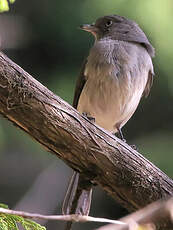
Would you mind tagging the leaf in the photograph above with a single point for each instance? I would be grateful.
(3, 225)
(4, 5)
(10, 222)
(31, 225)
(3, 206)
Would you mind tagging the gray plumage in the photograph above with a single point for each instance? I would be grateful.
(117, 72)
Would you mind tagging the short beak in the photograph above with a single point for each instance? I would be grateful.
(89, 27)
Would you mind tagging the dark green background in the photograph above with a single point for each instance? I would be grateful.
(45, 42)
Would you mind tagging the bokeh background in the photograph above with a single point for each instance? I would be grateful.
(42, 37)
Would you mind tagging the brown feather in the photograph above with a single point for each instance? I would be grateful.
(149, 84)
(79, 85)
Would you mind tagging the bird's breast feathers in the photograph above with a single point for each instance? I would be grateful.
(115, 81)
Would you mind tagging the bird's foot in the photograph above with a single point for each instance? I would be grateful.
(120, 134)
(92, 119)
(134, 147)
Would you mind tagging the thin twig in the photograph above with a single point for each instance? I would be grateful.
(149, 215)
(75, 218)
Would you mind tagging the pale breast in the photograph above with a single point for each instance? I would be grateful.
(115, 82)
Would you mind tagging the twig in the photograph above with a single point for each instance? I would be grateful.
(151, 214)
(75, 218)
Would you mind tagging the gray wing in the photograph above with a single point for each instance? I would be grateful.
(149, 84)
(79, 85)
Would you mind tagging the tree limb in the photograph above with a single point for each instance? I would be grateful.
(151, 214)
(120, 170)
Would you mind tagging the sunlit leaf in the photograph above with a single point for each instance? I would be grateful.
(4, 5)
(3, 206)
(10, 222)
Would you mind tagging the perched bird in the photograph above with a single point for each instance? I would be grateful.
(114, 77)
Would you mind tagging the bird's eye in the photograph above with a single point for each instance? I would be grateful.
(108, 23)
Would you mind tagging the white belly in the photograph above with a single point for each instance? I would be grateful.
(111, 102)
(115, 82)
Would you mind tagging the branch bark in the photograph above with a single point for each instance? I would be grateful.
(120, 170)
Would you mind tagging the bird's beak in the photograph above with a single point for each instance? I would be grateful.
(90, 28)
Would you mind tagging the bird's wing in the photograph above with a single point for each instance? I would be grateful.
(149, 84)
(79, 85)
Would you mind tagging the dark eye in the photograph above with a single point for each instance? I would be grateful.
(108, 23)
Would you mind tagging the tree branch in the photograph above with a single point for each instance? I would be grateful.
(120, 170)
(151, 214)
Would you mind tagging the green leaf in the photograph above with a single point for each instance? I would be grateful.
(3, 206)
(4, 5)
(3, 225)
(10, 222)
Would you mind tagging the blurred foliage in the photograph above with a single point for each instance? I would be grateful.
(4, 6)
(53, 53)
(11, 222)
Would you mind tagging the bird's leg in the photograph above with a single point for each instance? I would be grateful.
(92, 119)
(120, 132)
(121, 135)
(123, 139)
(134, 147)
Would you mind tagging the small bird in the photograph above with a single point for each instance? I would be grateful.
(116, 74)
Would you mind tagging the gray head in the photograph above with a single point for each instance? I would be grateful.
(118, 28)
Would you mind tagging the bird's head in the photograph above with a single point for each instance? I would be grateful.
(118, 28)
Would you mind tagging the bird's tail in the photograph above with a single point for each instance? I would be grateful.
(78, 197)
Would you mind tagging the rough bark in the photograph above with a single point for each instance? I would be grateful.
(121, 171)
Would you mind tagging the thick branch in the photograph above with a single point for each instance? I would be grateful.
(125, 174)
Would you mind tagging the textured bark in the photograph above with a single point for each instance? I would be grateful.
(121, 171)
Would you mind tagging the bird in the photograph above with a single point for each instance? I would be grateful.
(116, 74)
